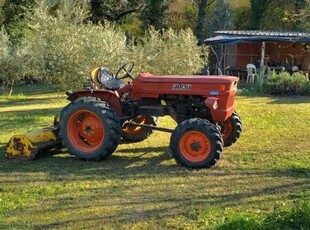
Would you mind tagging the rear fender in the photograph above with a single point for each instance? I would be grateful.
(108, 96)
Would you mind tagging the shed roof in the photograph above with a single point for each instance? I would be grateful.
(246, 36)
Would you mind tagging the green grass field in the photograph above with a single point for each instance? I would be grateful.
(261, 182)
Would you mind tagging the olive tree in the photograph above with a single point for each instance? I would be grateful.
(168, 52)
(63, 47)
(12, 61)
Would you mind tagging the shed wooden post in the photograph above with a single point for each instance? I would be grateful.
(262, 64)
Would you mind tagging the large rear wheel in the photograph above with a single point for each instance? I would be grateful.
(231, 129)
(90, 129)
(196, 143)
(136, 133)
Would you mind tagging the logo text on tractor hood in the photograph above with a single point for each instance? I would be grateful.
(181, 86)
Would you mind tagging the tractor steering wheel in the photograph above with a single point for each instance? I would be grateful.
(127, 68)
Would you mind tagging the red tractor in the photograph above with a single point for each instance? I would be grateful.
(92, 125)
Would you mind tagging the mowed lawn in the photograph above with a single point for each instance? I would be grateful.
(141, 187)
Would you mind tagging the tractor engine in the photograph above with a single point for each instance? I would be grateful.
(186, 107)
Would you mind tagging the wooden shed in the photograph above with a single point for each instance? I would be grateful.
(281, 50)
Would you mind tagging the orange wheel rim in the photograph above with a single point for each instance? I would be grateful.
(195, 146)
(85, 131)
(133, 129)
(226, 129)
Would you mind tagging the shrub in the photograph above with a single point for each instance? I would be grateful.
(284, 84)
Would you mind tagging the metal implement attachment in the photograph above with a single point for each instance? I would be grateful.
(28, 145)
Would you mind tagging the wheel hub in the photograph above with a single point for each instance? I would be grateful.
(195, 146)
(88, 130)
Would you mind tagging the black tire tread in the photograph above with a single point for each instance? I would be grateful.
(237, 129)
(108, 115)
(209, 129)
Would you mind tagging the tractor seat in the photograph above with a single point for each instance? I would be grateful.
(113, 84)
(103, 76)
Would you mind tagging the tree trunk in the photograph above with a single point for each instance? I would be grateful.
(11, 85)
(258, 8)
(201, 20)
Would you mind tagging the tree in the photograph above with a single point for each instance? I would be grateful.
(1, 13)
(287, 15)
(168, 52)
(242, 18)
(113, 10)
(154, 13)
(60, 48)
(222, 16)
(258, 8)
(201, 20)
(12, 61)
(182, 14)
(63, 48)
(14, 12)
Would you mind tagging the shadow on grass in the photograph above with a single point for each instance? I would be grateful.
(290, 100)
(135, 184)
(130, 161)
(29, 90)
(26, 120)
(56, 162)
(28, 102)
(16, 114)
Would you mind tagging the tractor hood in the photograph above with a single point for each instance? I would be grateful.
(202, 79)
(148, 85)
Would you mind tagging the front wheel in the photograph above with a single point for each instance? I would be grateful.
(196, 143)
(90, 129)
(231, 129)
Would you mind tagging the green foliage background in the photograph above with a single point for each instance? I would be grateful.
(13, 14)
(58, 42)
(287, 15)
(61, 48)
